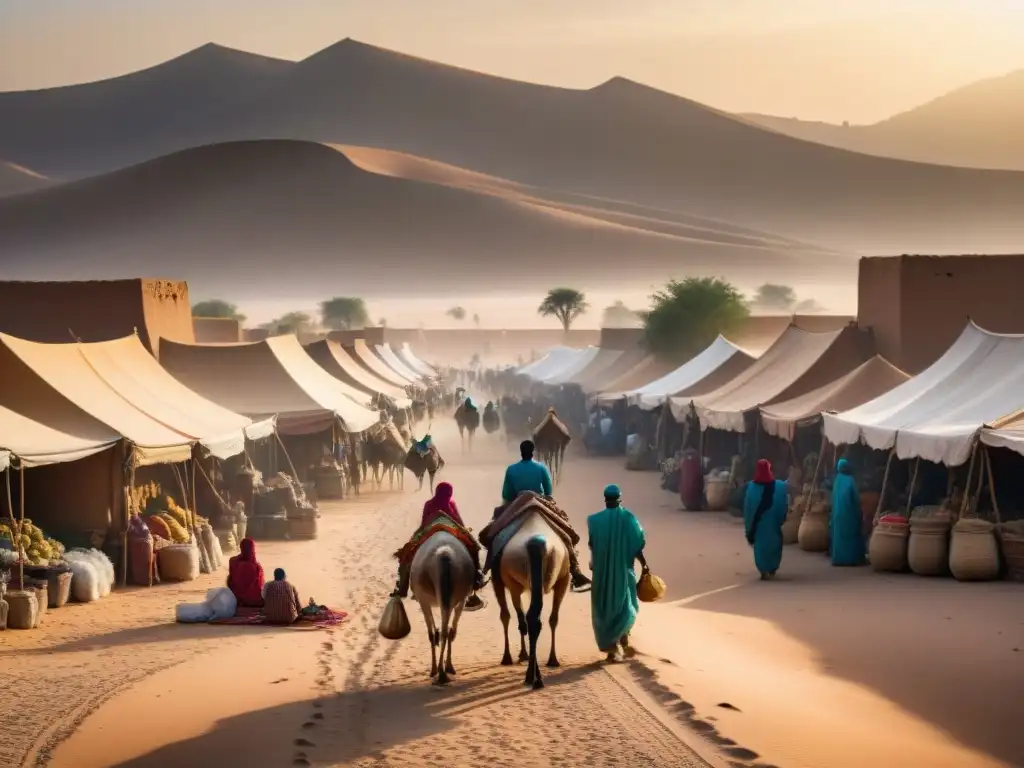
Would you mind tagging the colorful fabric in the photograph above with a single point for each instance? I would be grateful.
(847, 532)
(422, 446)
(616, 538)
(281, 603)
(245, 575)
(612, 491)
(506, 514)
(763, 473)
(408, 550)
(504, 536)
(765, 529)
(526, 475)
(323, 619)
(441, 505)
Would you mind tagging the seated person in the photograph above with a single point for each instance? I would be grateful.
(530, 475)
(281, 603)
(245, 576)
(440, 506)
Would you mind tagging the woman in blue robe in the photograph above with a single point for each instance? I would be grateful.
(764, 512)
(847, 533)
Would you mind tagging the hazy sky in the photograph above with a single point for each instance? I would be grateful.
(856, 60)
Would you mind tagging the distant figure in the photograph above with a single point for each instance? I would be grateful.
(764, 512)
(281, 604)
(847, 531)
(616, 542)
(245, 576)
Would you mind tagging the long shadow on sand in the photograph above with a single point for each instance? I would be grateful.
(340, 730)
(951, 653)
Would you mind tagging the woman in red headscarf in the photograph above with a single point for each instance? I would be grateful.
(245, 576)
(764, 512)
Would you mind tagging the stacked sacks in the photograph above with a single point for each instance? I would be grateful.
(887, 549)
(1011, 538)
(973, 552)
(812, 533)
(928, 549)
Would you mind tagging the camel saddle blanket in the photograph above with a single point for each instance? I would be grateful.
(409, 549)
(551, 420)
(528, 501)
(422, 447)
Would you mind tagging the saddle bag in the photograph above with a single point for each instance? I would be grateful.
(394, 622)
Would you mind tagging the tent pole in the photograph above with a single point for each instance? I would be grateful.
(991, 485)
(291, 466)
(817, 468)
(913, 482)
(885, 483)
(21, 521)
(970, 479)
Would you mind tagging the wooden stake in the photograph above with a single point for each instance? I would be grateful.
(992, 486)
(913, 482)
(817, 468)
(967, 485)
(885, 483)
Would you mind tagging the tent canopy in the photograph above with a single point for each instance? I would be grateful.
(387, 354)
(1007, 433)
(794, 365)
(333, 358)
(414, 362)
(274, 377)
(643, 373)
(623, 364)
(866, 382)
(554, 352)
(36, 444)
(376, 365)
(690, 375)
(603, 360)
(38, 376)
(567, 367)
(133, 373)
(937, 414)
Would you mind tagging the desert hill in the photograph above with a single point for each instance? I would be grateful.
(237, 217)
(618, 141)
(978, 126)
(14, 179)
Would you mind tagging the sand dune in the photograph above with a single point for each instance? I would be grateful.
(978, 126)
(619, 141)
(15, 179)
(241, 215)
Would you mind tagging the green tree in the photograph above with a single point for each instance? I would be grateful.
(293, 322)
(457, 313)
(618, 315)
(217, 308)
(778, 298)
(344, 313)
(687, 315)
(809, 307)
(565, 304)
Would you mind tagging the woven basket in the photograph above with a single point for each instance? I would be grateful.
(791, 528)
(812, 535)
(718, 494)
(887, 549)
(179, 562)
(1013, 553)
(973, 551)
(23, 612)
(928, 551)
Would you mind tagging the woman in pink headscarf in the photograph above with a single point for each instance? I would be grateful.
(442, 504)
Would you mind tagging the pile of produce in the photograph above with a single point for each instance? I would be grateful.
(163, 515)
(38, 548)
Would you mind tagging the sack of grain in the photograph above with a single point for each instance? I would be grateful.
(85, 582)
(812, 534)
(928, 549)
(179, 562)
(791, 528)
(887, 549)
(973, 551)
(717, 491)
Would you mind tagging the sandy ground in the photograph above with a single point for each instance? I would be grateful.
(824, 667)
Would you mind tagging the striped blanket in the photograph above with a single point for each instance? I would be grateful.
(406, 553)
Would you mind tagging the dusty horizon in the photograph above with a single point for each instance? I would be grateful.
(748, 58)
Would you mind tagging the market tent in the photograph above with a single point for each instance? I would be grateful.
(722, 359)
(36, 444)
(553, 353)
(555, 360)
(604, 359)
(643, 373)
(866, 382)
(1006, 433)
(794, 365)
(37, 376)
(387, 354)
(273, 377)
(371, 362)
(570, 368)
(130, 370)
(414, 362)
(623, 364)
(333, 358)
(937, 414)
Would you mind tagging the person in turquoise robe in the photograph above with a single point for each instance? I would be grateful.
(847, 532)
(616, 542)
(764, 511)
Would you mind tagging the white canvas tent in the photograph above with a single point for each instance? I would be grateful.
(555, 361)
(577, 363)
(414, 362)
(387, 354)
(937, 414)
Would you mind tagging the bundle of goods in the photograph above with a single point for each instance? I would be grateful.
(57, 578)
(791, 528)
(973, 551)
(670, 474)
(41, 586)
(812, 532)
(1011, 537)
(141, 555)
(887, 549)
(220, 604)
(212, 546)
(330, 483)
(636, 452)
(928, 549)
(22, 607)
(92, 574)
(179, 562)
(717, 485)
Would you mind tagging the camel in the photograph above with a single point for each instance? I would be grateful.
(551, 437)
(491, 420)
(468, 421)
(420, 464)
(384, 452)
(441, 576)
(536, 560)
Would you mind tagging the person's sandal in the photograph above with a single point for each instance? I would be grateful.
(473, 603)
(581, 583)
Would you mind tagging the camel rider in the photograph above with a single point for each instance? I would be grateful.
(530, 475)
(469, 405)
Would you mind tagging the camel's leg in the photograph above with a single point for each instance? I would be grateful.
(499, 596)
(431, 482)
(420, 478)
(534, 626)
(443, 642)
(456, 615)
(432, 635)
(517, 602)
(561, 587)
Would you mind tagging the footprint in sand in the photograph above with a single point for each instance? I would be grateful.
(303, 743)
(318, 715)
(300, 761)
(309, 724)
(742, 753)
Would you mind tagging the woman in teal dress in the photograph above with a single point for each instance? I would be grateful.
(847, 530)
(764, 512)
